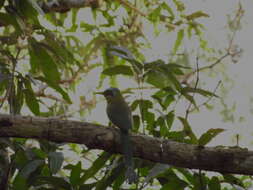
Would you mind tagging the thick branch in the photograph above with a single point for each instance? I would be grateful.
(66, 5)
(221, 159)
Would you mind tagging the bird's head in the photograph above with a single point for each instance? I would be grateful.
(111, 94)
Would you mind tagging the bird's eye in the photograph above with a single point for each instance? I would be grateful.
(109, 93)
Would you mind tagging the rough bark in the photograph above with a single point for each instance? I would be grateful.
(221, 159)
(66, 5)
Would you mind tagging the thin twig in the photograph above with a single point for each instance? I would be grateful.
(195, 87)
(209, 99)
(129, 5)
(186, 78)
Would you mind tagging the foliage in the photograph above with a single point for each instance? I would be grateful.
(42, 63)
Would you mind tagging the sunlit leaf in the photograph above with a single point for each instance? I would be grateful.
(165, 6)
(197, 14)
(180, 36)
(154, 16)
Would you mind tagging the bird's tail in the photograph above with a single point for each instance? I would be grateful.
(128, 153)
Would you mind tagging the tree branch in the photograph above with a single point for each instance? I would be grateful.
(65, 5)
(221, 159)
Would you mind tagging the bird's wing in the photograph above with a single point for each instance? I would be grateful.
(120, 115)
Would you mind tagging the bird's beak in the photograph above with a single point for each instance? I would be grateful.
(101, 93)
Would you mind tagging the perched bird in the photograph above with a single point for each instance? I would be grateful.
(120, 115)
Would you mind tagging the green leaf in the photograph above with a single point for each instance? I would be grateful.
(174, 80)
(187, 174)
(96, 166)
(170, 119)
(188, 130)
(20, 183)
(45, 62)
(75, 174)
(199, 91)
(165, 97)
(163, 128)
(199, 184)
(31, 101)
(118, 181)
(190, 99)
(8, 19)
(1, 3)
(166, 7)
(57, 182)
(229, 178)
(39, 153)
(154, 16)
(59, 49)
(55, 160)
(180, 36)
(172, 181)
(36, 7)
(180, 6)
(176, 136)
(209, 135)
(214, 183)
(118, 69)
(196, 15)
(89, 186)
(56, 87)
(174, 65)
(121, 52)
(156, 170)
(136, 120)
(19, 99)
(110, 177)
(87, 27)
(125, 54)
(156, 78)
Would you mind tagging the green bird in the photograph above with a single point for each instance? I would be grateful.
(120, 115)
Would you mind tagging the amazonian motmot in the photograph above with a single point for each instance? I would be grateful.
(120, 115)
